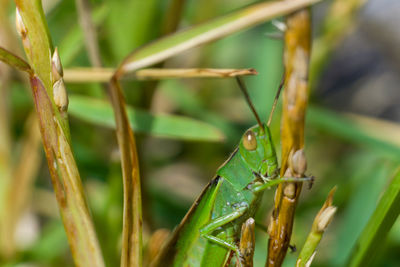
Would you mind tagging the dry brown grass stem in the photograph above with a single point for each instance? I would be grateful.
(83, 75)
(131, 254)
(296, 61)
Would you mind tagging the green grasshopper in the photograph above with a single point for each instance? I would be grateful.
(211, 229)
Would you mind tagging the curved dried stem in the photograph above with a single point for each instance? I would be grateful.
(131, 254)
(296, 60)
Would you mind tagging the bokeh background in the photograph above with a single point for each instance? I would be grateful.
(352, 131)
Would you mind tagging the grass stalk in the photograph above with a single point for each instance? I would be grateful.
(293, 164)
(51, 104)
(84, 75)
(132, 253)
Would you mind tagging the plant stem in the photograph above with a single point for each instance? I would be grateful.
(51, 104)
(82, 75)
(131, 254)
(296, 60)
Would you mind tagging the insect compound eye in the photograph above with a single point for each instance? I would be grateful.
(249, 140)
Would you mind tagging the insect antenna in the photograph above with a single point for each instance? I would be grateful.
(243, 88)
(276, 99)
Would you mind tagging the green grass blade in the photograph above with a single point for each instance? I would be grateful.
(208, 32)
(378, 225)
(14, 61)
(170, 126)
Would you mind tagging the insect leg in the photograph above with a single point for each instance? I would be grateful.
(218, 222)
(273, 182)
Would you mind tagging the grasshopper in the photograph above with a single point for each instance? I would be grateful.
(210, 231)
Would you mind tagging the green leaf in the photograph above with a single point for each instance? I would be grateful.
(207, 32)
(170, 126)
(14, 61)
(378, 226)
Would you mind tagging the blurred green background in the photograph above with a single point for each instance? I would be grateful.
(359, 75)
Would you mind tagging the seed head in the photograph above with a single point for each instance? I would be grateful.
(299, 162)
(60, 95)
(56, 67)
(325, 218)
